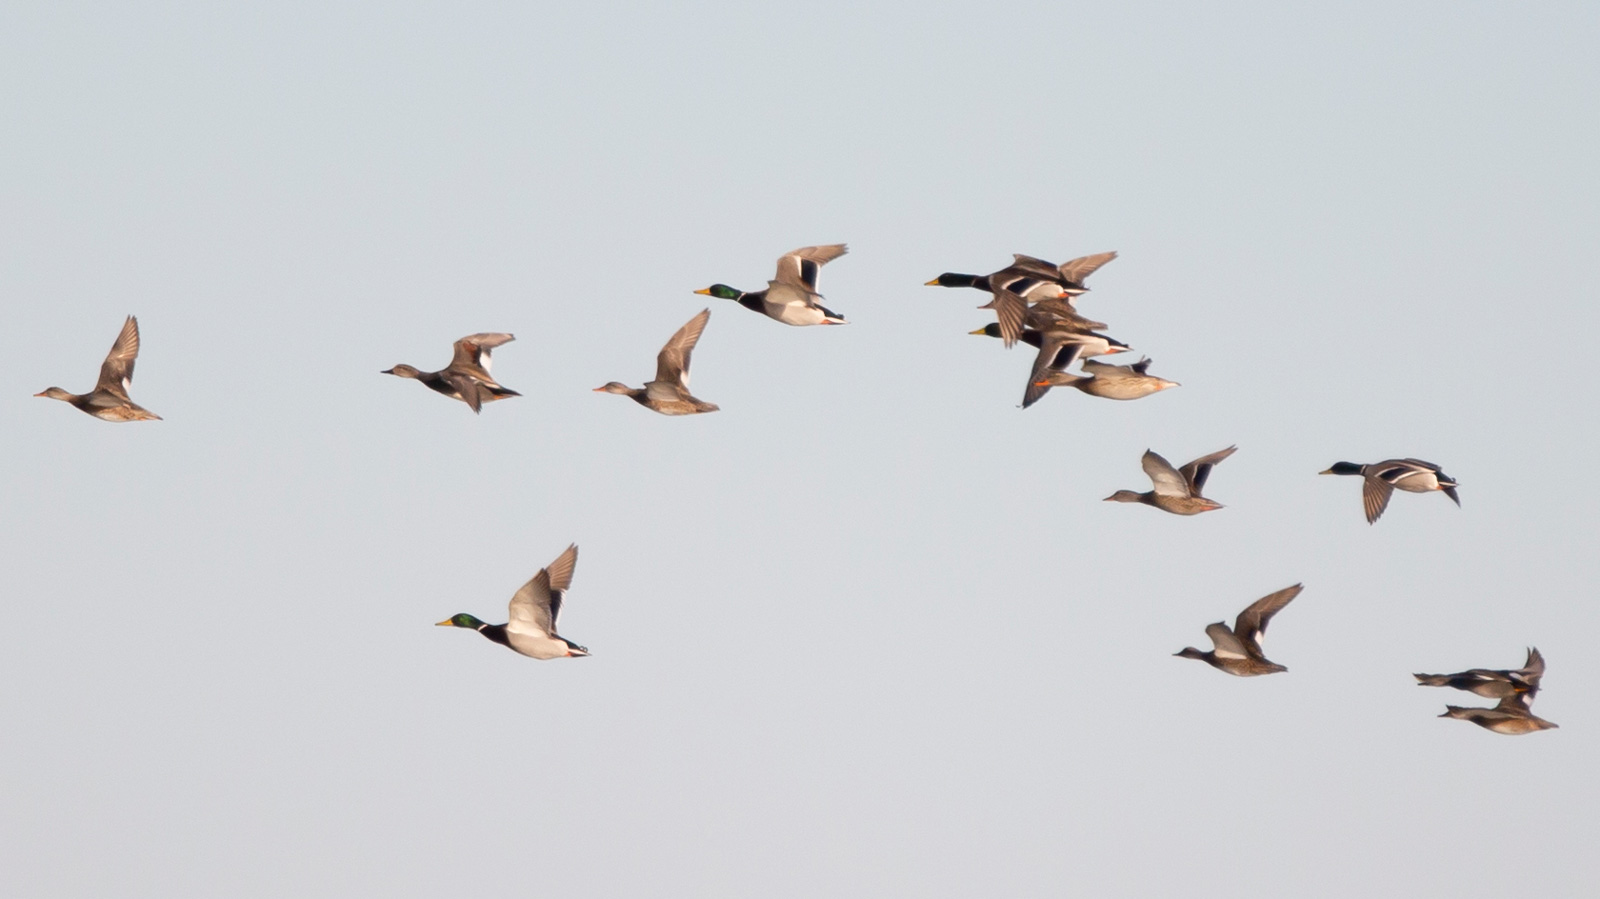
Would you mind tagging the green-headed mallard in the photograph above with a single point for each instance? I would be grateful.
(1380, 479)
(109, 400)
(1112, 382)
(1490, 683)
(791, 297)
(1025, 280)
(1238, 651)
(669, 392)
(466, 378)
(1176, 490)
(532, 628)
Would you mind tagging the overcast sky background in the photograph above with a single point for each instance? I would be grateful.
(869, 630)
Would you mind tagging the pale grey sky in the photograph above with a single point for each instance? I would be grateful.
(869, 630)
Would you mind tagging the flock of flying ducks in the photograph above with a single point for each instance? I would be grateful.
(1034, 303)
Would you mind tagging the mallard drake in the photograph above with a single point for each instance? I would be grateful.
(466, 378)
(1493, 684)
(109, 400)
(532, 629)
(1113, 382)
(1511, 716)
(669, 392)
(1028, 279)
(1238, 651)
(791, 297)
(1176, 490)
(1058, 350)
(1381, 478)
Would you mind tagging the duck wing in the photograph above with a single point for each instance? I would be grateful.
(1225, 643)
(1251, 625)
(1074, 271)
(1010, 309)
(1167, 480)
(116, 373)
(1057, 352)
(473, 351)
(534, 608)
(1375, 494)
(798, 268)
(672, 363)
(1196, 472)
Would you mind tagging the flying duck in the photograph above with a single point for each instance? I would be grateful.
(532, 629)
(791, 297)
(467, 377)
(1113, 382)
(1492, 684)
(109, 401)
(669, 392)
(1238, 651)
(1381, 478)
(1176, 490)
(1027, 279)
(1511, 716)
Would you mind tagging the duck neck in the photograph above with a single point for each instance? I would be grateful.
(495, 632)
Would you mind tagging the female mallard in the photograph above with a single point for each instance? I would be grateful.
(1381, 478)
(791, 297)
(466, 378)
(1025, 280)
(1113, 382)
(109, 401)
(532, 629)
(669, 392)
(1238, 651)
(1511, 716)
(1176, 490)
(1493, 684)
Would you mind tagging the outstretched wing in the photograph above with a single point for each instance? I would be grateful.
(1167, 480)
(116, 373)
(799, 267)
(1251, 624)
(1196, 472)
(672, 363)
(1075, 270)
(1375, 495)
(534, 608)
(474, 349)
(1057, 352)
(1010, 309)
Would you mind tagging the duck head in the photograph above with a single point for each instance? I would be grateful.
(1125, 496)
(992, 329)
(461, 620)
(721, 292)
(401, 371)
(1189, 652)
(953, 279)
(614, 387)
(1343, 468)
(55, 393)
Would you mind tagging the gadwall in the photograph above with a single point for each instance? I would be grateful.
(669, 392)
(467, 377)
(109, 400)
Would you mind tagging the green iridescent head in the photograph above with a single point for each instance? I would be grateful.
(721, 292)
(461, 620)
